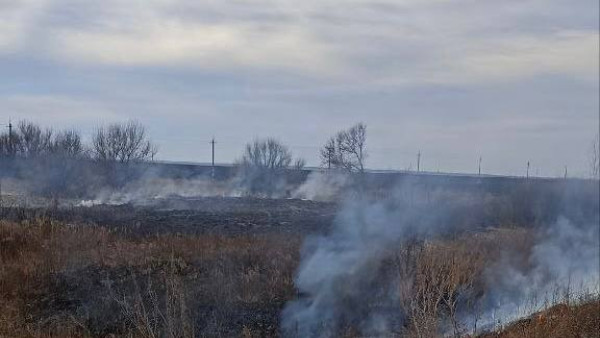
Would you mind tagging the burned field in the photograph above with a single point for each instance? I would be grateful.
(413, 263)
(177, 266)
(60, 280)
(194, 216)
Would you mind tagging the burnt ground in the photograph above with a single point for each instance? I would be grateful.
(189, 216)
(64, 270)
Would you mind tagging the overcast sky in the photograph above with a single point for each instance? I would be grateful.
(510, 80)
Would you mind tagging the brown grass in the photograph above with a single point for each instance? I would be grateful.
(61, 280)
(148, 287)
(559, 321)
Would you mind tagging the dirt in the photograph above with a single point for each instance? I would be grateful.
(196, 216)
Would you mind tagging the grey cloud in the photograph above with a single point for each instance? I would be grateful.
(512, 81)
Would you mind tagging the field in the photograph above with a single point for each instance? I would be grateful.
(245, 267)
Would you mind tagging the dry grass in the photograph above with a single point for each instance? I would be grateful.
(559, 321)
(59, 280)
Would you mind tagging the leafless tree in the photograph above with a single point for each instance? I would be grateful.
(31, 141)
(299, 164)
(328, 153)
(595, 158)
(268, 154)
(122, 143)
(263, 164)
(346, 149)
(68, 143)
(6, 148)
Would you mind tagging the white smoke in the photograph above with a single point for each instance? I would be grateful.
(564, 266)
(318, 186)
(148, 189)
(337, 277)
(322, 186)
(339, 282)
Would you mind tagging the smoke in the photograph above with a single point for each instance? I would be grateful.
(159, 184)
(339, 281)
(322, 186)
(347, 279)
(147, 189)
(563, 266)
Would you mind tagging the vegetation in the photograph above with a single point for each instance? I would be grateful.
(126, 142)
(59, 280)
(346, 150)
(263, 165)
(122, 143)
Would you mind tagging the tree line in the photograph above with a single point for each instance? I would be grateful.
(346, 151)
(129, 142)
(117, 142)
(62, 162)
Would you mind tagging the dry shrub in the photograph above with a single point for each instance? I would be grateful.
(438, 280)
(62, 280)
(559, 321)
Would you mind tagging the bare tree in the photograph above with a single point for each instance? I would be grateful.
(347, 149)
(31, 141)
(595, 158)
(299, 164)
(268, 154)
(263, 164)
(328, 153)
(6, 148)
(68, 143)
(122, 143)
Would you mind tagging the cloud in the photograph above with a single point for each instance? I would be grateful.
(16, 18)
(449, 77)
(571, 53)
(197, 45)
(57, 111)
(399, 42)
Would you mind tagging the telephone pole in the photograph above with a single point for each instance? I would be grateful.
(10, 136)
(479, 169)
(212, 143)
(527, 169)
(419, 161)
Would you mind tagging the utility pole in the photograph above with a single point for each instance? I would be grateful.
(419, 161)
(527, 169)
(10, 137)
(330, 150)
(9, 154)
(212, 143)
(479, 169)
(566, 172)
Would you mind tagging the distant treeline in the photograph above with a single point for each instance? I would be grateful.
(59, 164)
(122, 143)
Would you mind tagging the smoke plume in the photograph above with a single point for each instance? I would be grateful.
(351, 278)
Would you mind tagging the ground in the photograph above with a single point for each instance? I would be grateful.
(219, 267)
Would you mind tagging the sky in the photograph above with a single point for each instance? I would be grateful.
(509, 81)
